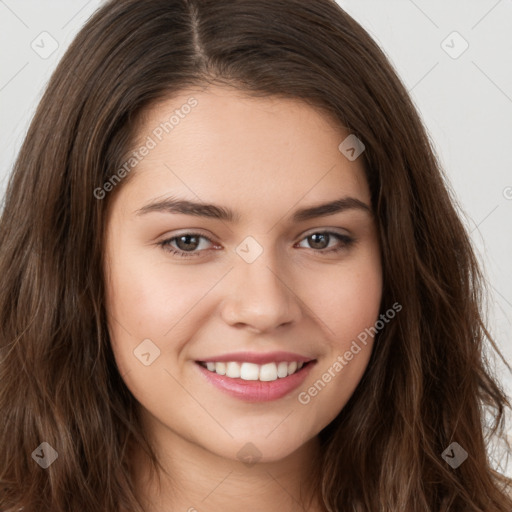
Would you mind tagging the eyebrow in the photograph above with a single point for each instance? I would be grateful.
(212, 211)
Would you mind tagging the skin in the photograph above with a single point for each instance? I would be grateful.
(263, 158)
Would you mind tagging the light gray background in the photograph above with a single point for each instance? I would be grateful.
(465, 101)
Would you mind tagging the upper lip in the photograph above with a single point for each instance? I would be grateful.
(258, 358)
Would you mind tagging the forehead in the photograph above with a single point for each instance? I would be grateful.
(222, 146)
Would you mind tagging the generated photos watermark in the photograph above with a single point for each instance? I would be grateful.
(157, 135)
(304, 397)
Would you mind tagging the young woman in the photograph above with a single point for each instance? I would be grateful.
(233, 278)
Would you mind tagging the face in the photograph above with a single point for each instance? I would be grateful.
(260, 286)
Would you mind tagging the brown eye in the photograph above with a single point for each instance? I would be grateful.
(185, 244)
(320, 240)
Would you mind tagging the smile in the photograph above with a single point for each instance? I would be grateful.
(251, 371)
(253, 382)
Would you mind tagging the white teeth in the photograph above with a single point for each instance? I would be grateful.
(268, 372)
(220, 368)
(249, 371)
(233, 370)
(282, 370)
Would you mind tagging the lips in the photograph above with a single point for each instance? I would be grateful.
(256, 377)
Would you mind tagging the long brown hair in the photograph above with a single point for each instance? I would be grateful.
(427, 384)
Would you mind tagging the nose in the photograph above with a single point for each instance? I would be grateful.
(259, 296)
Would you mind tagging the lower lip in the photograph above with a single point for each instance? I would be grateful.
(255, 390)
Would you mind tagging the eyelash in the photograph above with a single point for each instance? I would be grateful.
(345, 240)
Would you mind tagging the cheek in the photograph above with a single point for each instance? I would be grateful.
(334, 383)
(354, 305)
(347, 297)
(350, 309)
(150, 297)
(148, 304)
